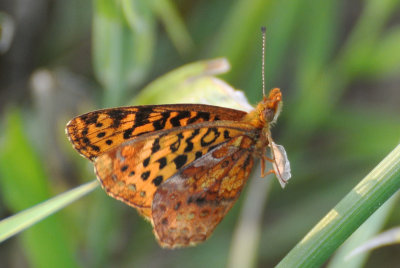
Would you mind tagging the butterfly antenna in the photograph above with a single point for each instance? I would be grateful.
(263, 31)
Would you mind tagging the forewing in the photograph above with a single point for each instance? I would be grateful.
(133, 171)
(187, 207)
(94, 133)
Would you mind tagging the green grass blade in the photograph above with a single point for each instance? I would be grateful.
(386, 59)
(20, 221)
(377, 187)
(369, 228)
(174, 25)
(247, 235)
(386, 238)
(315, 42)
(24, 183)
(251, 14)
(123, 41)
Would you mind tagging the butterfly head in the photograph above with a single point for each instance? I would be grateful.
(270, 107)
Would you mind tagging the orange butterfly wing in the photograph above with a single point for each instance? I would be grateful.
(132, 171)
(96, 132)
(182, 166)
(188, 206)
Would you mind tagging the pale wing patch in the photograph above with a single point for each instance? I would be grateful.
(281, 164)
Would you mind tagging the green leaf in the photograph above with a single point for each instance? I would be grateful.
(174, 25)
(23, 184)
(377, 187)
(389, 237)
(194, 83)
(386, 59)
(369, 228)
(25, 219)
(123, 41)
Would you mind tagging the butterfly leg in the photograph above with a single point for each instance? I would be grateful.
(274, 170)
(263, 173)
(268, 172)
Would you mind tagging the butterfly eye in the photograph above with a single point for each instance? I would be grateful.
(269, 114)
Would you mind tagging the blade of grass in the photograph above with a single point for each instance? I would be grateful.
(316, 41)
(245, 241)
(23, 183)
(250, 14)
(24, 219)
(365, 36)
(386, 60)
(377, 187)
(279, 18)
(386, 238)
(369, 228)
(321, 95)
(123, 41)
(174, 25)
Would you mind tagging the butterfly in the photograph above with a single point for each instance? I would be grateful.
(182, 166)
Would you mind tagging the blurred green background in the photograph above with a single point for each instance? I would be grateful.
(337, 63)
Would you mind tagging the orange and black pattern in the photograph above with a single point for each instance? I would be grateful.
(181, 166)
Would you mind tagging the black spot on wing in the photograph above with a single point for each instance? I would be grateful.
(200, 201)
(95, 148)
(145, 175)
(175, 146)
(209, 137)
(158, 180)
(90, 118)
(177, 205)
(156, 146)
(189, 143)
(101, 134)
(117, 115)
(180, 161)
(225, 164)
(175, 121)
(226, 134)
(142, 116)
(163, 162)
(199, 117)
(160, 123)
(128, 133)
(198, 154)
(146, 162)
